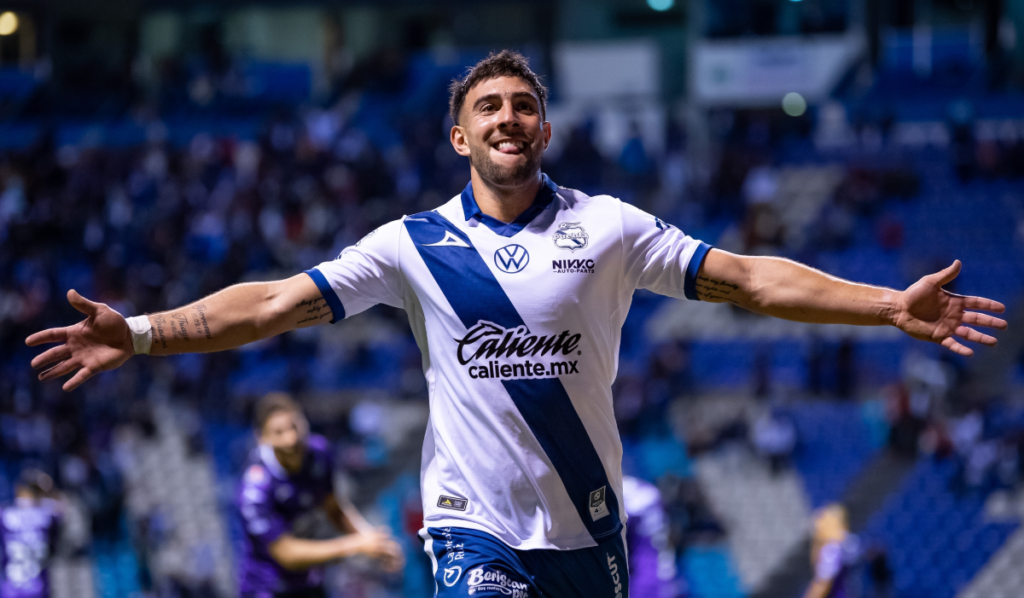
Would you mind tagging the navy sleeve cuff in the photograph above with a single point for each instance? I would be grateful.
(690, 282)
(337, 309)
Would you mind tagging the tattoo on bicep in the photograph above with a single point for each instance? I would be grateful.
(179, 327)
(310, 302)
(160, 321)
(199, 320)
(314, 318)
(314, 310)
(709, 289)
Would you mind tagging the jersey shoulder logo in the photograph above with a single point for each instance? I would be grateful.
(511, 258)
(452, 502)
(256, 474)
(571, 236)
(449, 240)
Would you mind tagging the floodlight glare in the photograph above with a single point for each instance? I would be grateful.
(794, 104)
(8, 23)
(661, 5)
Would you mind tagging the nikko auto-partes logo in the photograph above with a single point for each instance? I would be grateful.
(511, 258)
(571, 236)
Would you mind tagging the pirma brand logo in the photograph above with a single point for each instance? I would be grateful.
(571, 236)
(511, 258)
(452, 502)
(452, 575)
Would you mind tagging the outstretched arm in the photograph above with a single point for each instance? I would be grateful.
(785, 289)
(235, 316)
(345, 516)
(296, 554)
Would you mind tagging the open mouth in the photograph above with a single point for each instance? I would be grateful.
(510, 146)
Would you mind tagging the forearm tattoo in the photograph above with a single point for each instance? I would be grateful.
(160, 322)
(709, 289)
(199, 321)
(179, 327)
(315, 310)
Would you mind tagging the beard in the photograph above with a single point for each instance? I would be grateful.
(505, 176)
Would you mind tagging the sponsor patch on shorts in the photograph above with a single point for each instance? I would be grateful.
(452, 502)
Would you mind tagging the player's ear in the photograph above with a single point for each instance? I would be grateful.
(547, 133)
(459, 142)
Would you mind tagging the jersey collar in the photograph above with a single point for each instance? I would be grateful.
(546, 194)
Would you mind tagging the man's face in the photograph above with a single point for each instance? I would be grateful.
(501, 131)
(286, 431)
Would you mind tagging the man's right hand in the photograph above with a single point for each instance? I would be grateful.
(98, 343)
(379, 544)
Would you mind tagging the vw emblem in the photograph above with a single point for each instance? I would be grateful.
(511, 258)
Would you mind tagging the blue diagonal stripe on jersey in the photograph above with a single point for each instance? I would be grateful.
(474, 294)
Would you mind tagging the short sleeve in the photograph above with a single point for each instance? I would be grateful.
(658, 256)
(830, 562)
(261, 521)
(364, 275)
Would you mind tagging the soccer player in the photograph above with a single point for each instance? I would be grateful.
(651, 567)
(290, 474)
(516, 291)
(28, 537)
(833, 553)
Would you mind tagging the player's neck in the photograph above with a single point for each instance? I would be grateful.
(504, 203)
(291, 462)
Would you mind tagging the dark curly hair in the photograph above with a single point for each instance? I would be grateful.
(507, 63)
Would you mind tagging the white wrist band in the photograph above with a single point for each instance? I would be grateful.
(142, 334)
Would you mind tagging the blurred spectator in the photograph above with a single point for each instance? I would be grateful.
(774, 438)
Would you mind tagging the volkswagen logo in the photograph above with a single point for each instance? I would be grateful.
(511, 258)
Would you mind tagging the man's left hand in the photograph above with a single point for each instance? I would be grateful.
(928, 312)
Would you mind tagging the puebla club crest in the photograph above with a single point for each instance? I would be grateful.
(571, 236)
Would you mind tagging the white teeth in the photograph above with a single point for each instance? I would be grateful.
(505, 144)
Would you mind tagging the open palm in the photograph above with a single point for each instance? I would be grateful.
(98, 343)
(930, 313)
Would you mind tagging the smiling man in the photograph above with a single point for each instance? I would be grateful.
(516, 292)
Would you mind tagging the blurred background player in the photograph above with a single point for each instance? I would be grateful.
(651, 570)
(289, 476)
(833, 554)
(28, 537)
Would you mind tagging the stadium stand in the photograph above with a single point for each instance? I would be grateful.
(254, 185)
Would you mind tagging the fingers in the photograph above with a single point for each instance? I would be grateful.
(82, 304)
(53, 335)
(61, 369)
(984, 304)
(393, 559)
(986, 320)
(956, 347)
(974, 336)
(55, 354)
(947, 275)
(77, 380)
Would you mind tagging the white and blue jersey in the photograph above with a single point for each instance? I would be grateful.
(519, 326)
